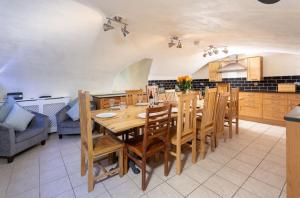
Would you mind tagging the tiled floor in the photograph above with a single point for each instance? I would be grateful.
(252, 164)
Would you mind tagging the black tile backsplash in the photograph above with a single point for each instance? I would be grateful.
(268, 84)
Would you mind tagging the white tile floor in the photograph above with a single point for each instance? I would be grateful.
(252, 164)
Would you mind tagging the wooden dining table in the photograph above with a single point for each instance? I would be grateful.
(124, 120)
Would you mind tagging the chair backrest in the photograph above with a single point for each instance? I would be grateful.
(152, 89)
(220, 112)
(209, 108)
(132, 96)
(186, 118)
(157, 125)
(223, 87)
(234, 101)
(171, 95)
(85, 121)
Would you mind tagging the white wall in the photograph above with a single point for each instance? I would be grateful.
(135, 76)
(274, 64)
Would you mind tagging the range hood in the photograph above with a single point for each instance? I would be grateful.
(232, 66)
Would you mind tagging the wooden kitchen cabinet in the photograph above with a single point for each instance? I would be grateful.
(213, 72)
(251, 105)
(267, 107)
(274, 106)
(254, 68)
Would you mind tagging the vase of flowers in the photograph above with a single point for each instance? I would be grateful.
(184, 83)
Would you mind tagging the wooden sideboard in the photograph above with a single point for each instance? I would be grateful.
(267, 107)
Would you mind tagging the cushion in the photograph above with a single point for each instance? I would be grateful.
(69, 123)
(73, 102)
(28, 134)
(73, 112)
(6, 108)
(18, 118)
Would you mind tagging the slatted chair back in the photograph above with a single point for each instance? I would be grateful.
(132, 96)
(208, 112)
(157, 125)
(85, 121)
(220, 115)
(186, 118)
(171, 95)
(234, 102)
(223, 87)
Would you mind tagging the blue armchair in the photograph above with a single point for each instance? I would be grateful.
(13, 142)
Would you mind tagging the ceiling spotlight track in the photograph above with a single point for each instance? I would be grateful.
(175, 41)
(118, 20)
(211, 50)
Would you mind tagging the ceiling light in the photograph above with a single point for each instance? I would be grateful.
(216, 51)
(171, 44)
(107, 26)
(179, 45)
(204, 55)
(268, 1)
(124, 31)
(209, 53)
(225, 50)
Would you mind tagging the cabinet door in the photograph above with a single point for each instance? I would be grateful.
(255, 71)
(213, 73)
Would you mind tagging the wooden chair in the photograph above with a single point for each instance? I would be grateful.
(232, 112)
(154, 140)
(185, 130)
(94, 148)
(171, 95)
(132, 96)
(223, 87)
(222, 102)
(205, 123)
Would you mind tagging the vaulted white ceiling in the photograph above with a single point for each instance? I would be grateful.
(54, 42)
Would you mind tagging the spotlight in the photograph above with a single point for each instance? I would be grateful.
(204, 55)
(268, 1)
(124, 31)
(171, 44)
(216, 51)
(225, 50)
(179, 45)
(209, 53)
(107, 26)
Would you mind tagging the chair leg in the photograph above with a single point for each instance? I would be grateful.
(121, 162)
(60, 136)
(202, 148)
(166, 161)
(178, 159)
(43, 142)
(90, 174)
(83, 165)
(212, 142)
(10, 159)
(125, 161)
(230, 127)
(194, 149)
(144, 174)
(237, 125)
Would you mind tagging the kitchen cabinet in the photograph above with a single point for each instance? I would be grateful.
(254, 68)
(251, 105)
(267, 107)
(213, 72)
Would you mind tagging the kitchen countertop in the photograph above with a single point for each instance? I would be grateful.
(293, 115)
(258, 91)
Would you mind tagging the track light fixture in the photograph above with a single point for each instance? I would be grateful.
(119, 20)
(210, 50)
(173, 42)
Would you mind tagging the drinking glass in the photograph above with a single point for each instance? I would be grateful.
(140, 99)
(111, 102)
(122, 108)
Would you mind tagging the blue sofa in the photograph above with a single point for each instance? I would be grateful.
(13, 142)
